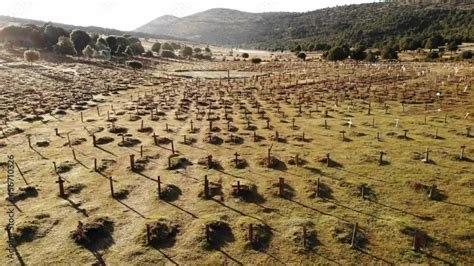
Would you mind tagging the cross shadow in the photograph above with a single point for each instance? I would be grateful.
(229, 256)
(316, 210)
(130, 208)
(272, 256)
(458, 204)
(79, 162)
(145, 176)
(352, 209)
(98, 256)
(20, 258)
(373, 256)
(176, 206)
(425, 218)
(167, 257)
(41, 155)
(242, 213)
(104, 150)
(76, 206)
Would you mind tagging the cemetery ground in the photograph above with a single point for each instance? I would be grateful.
(302, 162)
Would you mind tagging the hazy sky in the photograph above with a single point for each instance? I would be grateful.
(130, 14)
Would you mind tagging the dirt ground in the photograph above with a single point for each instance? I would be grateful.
(283, 122)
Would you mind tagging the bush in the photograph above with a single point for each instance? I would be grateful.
(80, 39)
(134, 64)
(137, 48)
(128, 51)
(65, 46)
(52, 34)
(337, 53)
(102, 54)
(167, 46)
(245, 55)
(156, 47)
(389, 53)
(358, 53)
(122, 44)
(25, 36)
(112, 43)
(167, 54)
(466, 55)
(102, 43)
(207, 49)
(432, 55)
(256, 60)
(187, 51)
(175, 46)
(371, 57)
(88, 51)
(302, 56)
(31, 55)
(197, 50)
(148, 53)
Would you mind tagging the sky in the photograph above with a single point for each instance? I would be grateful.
(130, 14)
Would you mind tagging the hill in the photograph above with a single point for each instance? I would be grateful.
(4, 20)
(367, 24)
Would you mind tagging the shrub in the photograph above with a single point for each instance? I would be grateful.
(337, 53)
(102, 43)
(175, 46)
(134, 64)
(133, 39)
(207, 49)
(102, 54)
(187, 51)
(65, 46)
(432, 55)
(80, 39)
(389, 53)
(167, 46)
(156, 47)
(31, 55)
(52, 34)
(256, 60)
(371, 57)
(26, 36)
(122, 44)
(148, 53)
(466, 55)
(129, 51)
(112, 43)
(197, 50)
(88, 51)
(358, 53)
(302, 56)
(137, 48)
(245, 55)
(167, 54)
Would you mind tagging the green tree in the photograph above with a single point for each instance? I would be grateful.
(452, 46)
(389, 53)
(302, 56)
(156, 47)
(167, 46)
(358, 53)
(187, 51)
(337, 53)
(80, 39)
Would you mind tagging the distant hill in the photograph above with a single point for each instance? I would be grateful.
(367, 24)
(4, 20)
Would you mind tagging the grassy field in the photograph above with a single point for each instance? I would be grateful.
(298, 99)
